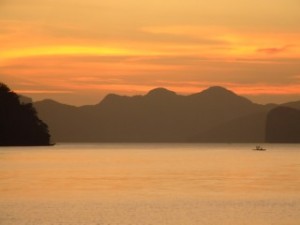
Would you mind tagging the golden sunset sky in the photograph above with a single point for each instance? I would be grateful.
(77, 51)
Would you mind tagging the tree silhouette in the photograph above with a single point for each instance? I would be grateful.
(19, 123)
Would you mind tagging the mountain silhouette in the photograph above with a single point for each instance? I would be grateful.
(19, 124)
(161, 93)
(24, 99)
(294, 105)
(213, 115)
(283, 125)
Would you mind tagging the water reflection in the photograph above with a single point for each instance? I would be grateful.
(171, 178)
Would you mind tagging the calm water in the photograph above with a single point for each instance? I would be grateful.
(150, 184)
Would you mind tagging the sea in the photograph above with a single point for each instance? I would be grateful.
(150, 184)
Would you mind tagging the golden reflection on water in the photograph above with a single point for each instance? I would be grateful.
(157, 174)
(158, 171)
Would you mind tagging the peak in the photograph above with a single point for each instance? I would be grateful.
(49, 101)
(161, 92)
(110, 98)
(217, 93)
(217, 89)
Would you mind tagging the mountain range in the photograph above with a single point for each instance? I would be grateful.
(213, 115)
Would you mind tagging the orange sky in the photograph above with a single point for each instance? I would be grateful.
(77, 51)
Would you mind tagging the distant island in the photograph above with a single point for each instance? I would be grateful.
(215, 115)
(19, 123)
(283, 125)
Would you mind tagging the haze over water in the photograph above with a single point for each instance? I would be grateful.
(151, 184)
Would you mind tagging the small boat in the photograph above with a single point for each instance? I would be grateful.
(259, 148)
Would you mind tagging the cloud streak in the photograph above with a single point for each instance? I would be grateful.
(46, 91)
(274, 50)
(89, 48)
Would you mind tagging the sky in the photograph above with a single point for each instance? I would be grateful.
(78, 51)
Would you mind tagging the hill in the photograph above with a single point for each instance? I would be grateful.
(19, 123)
(213, 115)
(283, 125)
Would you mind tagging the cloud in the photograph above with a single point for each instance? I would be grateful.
(267, 89)
(22, 91)
(274, 50)
(189, 35)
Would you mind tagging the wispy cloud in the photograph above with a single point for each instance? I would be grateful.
(46, 91)
(274, 50)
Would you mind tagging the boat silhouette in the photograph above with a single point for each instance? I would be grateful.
(259, 148)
